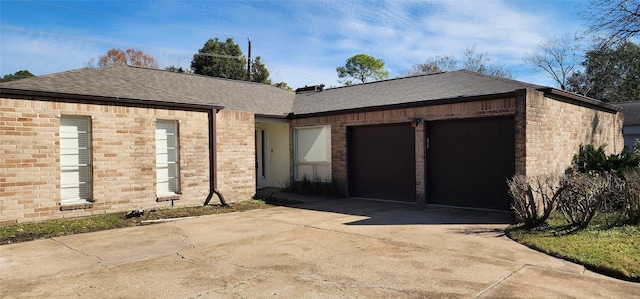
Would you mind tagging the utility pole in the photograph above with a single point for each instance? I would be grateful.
(249, 61)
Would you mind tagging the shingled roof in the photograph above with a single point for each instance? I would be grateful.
(160, 86)
(631, 112)
(154, 85)
(415, 89)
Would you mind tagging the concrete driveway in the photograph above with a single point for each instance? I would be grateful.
(345, 248)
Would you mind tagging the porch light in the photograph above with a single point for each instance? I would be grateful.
(415, 122)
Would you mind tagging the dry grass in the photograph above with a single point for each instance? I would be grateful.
(23, 232)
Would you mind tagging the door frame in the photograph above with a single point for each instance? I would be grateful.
(262, 158)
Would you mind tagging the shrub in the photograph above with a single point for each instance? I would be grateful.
(535, 197)
(588, 159)
(595, 183)
(623, 162)
(591, 159)
(584, 196)
(631, 202)
(600, 183)
(333, 188)
(614, 201)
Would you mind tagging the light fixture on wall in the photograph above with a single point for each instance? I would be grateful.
(415, 122)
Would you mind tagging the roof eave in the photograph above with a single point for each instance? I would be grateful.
(586, 100)
(106, 99)
(547, 90)
(460, 99)
(283, 116)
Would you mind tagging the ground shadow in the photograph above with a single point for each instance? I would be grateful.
(396, 213)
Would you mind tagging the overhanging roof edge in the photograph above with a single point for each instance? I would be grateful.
(107, 99)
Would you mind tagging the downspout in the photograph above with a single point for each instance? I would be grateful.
(615, 122)
(615, 131)
(213, 176)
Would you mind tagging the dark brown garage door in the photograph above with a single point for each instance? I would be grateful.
(382, 162)
(469, 161)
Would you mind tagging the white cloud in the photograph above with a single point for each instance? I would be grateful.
(41, 54)
(302, 42)
(405, 33)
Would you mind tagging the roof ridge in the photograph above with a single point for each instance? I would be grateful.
(50, 75)
(443, 73)
(139, 68)
(498, 78)
(388, 80)
(199, 76)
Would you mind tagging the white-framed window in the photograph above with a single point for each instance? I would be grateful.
(167, 157)
(75, 159)
(312, 153)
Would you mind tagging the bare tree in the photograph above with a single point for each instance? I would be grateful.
(434, 64)
(128, 57)
(618, 20)
(481, 63)
(557, 57)
(473, 61)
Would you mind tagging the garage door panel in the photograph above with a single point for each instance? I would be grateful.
(381, 161)
(469, 161)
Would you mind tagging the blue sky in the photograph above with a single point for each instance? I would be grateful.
(301, 42)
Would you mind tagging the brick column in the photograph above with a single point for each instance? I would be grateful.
(521, 131)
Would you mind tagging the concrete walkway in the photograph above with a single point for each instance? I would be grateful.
(346, 248)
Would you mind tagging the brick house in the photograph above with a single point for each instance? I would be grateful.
(92, 141)
(118, 138)
(452, 138)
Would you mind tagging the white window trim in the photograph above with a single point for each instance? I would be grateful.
(171, 189)
(313, 164)
(85, 179)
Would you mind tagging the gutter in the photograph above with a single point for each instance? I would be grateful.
(576, 98)
(105, 99)
(423, 103)
(283, 116)
(580, 98)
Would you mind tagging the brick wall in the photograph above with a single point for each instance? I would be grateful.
(555, 129)
(123, 140)
(339, 124)
(235, 133)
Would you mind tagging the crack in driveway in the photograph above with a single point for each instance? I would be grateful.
(184, 238)
(493, 285)
(98, 258)
(184, 241)
(184, 257)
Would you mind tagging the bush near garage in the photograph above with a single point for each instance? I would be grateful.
(594, 183)
(333, 188)
(595, 217)
(535, 197)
